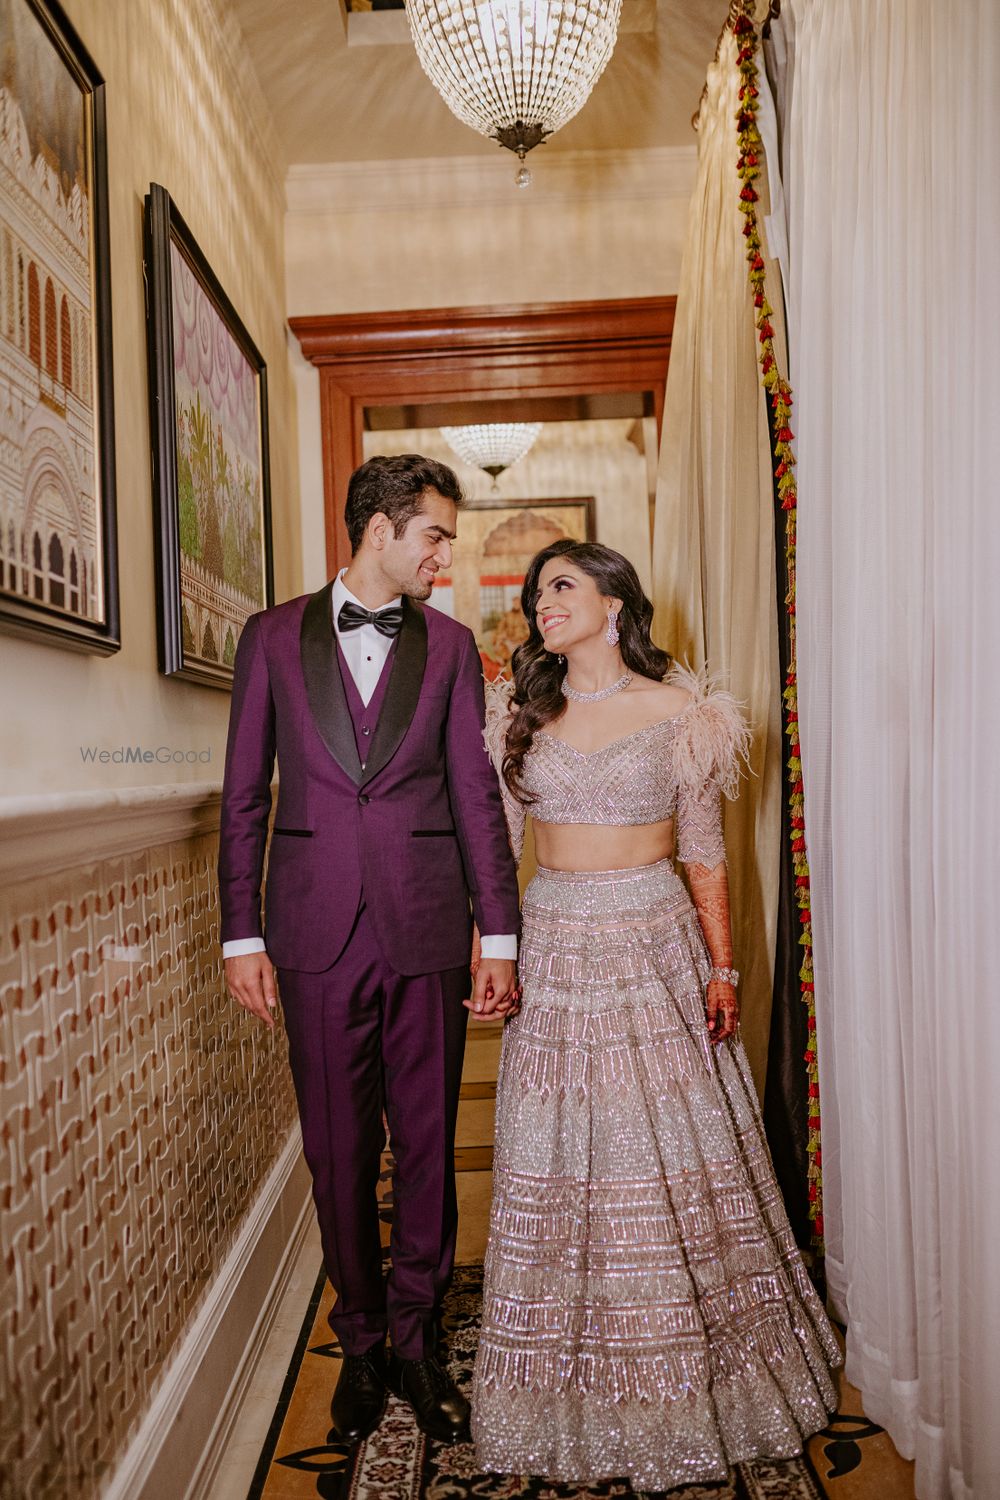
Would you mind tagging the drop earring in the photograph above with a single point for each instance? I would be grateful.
(612, 636)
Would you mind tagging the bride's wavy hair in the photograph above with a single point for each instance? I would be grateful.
(538, 673)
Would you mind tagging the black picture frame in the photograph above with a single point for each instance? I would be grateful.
(181, 611)
(59, 553)
(586, 503)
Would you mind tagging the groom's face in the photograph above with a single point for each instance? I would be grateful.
(414, 559)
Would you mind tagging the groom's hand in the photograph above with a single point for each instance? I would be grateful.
(495, 993)
(250, 977)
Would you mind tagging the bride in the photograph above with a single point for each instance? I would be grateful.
(645, 1310)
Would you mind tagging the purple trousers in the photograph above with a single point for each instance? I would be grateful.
(363, 1039)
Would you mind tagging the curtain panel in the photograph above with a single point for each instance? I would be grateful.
(891, 176)
(713, 534)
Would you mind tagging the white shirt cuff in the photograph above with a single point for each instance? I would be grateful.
(497, 946)
(504, 946)
(237, 946)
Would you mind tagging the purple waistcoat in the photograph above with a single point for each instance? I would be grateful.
(365, 716)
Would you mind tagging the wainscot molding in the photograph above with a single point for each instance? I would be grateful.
(457, 182)
(42, 834)
(188, 1422)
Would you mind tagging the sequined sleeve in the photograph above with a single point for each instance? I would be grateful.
(710, 747)
(498, 711)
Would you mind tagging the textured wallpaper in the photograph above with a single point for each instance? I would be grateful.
(140, 1112)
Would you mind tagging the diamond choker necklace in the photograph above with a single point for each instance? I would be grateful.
(608, 692)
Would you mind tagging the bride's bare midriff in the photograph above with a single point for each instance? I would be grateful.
(595, 846)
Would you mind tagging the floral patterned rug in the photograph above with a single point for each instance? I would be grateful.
(398, 1463)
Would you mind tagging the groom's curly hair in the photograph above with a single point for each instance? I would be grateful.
(395, 487)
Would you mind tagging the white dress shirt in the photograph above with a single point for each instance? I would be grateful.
(365, 651)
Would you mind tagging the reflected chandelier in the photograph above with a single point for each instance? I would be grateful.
(515, 70)
(492, 446)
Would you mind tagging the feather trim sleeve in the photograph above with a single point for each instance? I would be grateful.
(712, 742)
(499, 707)
(710, 748)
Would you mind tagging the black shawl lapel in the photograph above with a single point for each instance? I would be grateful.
(403, 691)
(324, 686)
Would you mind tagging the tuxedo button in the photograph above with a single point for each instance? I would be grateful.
(364, 799)
(365, 729)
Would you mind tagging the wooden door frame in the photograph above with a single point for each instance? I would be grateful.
(453, 353)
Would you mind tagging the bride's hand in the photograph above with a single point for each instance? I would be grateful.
(495, 988)
(723, 1010)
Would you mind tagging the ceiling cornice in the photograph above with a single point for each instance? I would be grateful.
(257, 111)
(488, 179)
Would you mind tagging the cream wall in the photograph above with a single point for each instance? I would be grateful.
(166, 1185)
(377, 236)
(456, 232)
(185, 111)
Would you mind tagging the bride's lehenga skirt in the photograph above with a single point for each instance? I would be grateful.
(645, 1310)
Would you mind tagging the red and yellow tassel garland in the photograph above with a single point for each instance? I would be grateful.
(751, 151)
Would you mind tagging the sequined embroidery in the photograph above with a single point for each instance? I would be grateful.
(646, 1313)
(678, 767)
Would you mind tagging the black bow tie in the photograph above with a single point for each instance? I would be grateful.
(388, 621)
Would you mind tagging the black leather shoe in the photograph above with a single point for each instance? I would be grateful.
(359, 1401)
(441, 1410)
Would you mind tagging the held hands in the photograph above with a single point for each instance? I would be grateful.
(495, 993)
(250, 978)
(723, 1010)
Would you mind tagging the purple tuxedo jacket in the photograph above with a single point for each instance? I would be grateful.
(419, 829)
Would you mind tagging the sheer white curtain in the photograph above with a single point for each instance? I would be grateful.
(713, 533)
(892, 184)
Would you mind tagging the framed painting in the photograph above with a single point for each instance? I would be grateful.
(211, 488)
(58, 536)
(496, 542)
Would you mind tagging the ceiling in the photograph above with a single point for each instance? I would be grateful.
(335, 102)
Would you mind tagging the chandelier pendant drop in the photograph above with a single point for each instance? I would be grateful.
(609, 692)
(492, 446)
(515, 70)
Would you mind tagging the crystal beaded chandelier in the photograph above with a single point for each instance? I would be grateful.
(515, 70)
(492, 446)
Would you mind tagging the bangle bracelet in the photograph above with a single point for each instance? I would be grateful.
(727, 976)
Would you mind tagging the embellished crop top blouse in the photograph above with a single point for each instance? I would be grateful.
(675, 768)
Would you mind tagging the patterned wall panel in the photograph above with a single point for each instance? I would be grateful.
(140, 1111)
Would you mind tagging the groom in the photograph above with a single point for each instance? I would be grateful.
(389, 823)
